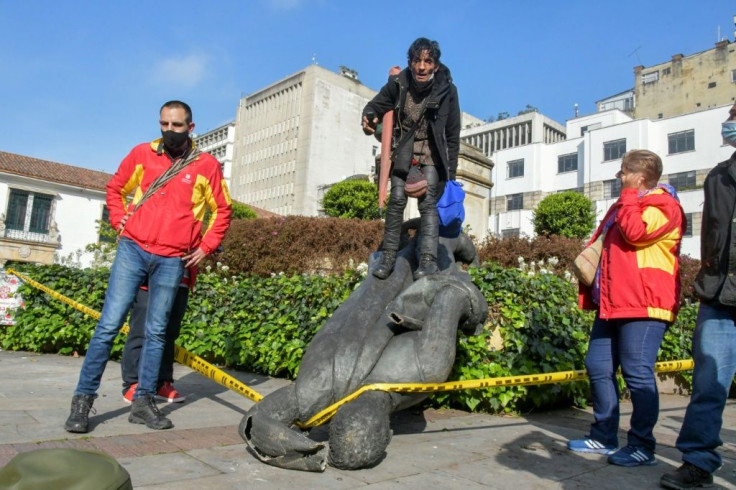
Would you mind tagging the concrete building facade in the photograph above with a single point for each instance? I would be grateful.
(296, 136)
(686, 83)
(689, 145)
(524, 129)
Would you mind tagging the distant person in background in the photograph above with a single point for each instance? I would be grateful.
(165, 391)
(714, 341)
(427, 140)
(635, 294)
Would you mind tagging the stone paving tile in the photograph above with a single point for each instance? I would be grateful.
(430, 480)
(227, 459)
(398, 463)
(255, 474)
(163, 468)
(433, 455)
(437, 448)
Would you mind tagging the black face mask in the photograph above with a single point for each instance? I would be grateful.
(174, 140)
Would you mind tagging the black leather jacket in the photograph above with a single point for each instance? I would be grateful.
(443, 114)
(716, 281)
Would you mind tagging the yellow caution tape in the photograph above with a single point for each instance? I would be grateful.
(217, 375)
(201, 366)
(185, 357)
(527, 379)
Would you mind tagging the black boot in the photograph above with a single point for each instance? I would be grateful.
(386, 265)
(427, 266)
(686, 476)
(78, 420)
(145, 411)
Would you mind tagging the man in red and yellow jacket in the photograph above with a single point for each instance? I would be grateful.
(160, 236)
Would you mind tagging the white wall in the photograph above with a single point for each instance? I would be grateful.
(75, 211)
(540, 161)
(338, 147)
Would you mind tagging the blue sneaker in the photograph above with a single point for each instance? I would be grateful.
(632, 456)
(589, 445)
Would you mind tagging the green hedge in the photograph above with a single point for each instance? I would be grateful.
(263, 324)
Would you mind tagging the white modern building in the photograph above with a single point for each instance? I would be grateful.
(297, 136)
(48, 210)
(524, 129)
(587, 161)
(219, 143)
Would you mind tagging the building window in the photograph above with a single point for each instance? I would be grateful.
(682, 141)
(733, 76)
(683, 180)
(515, 169)
(567, 163)
(613, 150)
(514, 202)
(611, 188)
(712, 85)
(650, 77)
(510, 233)
(689, 226)
(666, 71)
(28, 211)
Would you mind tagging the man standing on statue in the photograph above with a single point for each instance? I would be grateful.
(426, 142)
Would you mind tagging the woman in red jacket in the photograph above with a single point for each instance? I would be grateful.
(636, 296)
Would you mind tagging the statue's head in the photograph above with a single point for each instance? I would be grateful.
(360, 432)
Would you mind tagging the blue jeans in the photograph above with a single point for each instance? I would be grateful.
(633, 345)
(137, 336)
(131, 267)
(714, 353)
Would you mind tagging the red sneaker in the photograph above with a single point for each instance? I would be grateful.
(128, 395)
(167, 393)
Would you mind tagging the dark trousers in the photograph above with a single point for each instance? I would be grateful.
(137, 334)
(429, 221)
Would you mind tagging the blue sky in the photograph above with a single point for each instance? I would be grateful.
(81, 81)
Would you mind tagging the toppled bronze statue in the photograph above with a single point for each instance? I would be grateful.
(393, 330)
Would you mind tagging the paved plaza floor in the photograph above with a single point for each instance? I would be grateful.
(430, 449)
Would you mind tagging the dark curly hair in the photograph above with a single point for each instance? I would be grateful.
(424, 44)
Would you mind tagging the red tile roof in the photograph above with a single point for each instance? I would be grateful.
(52, 171)
(262, 213)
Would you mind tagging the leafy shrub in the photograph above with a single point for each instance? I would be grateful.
(49, 326)
(689, 268)
(263, 324)
(352, 199)
(242, 211)
(569, 214)
(298, 244)
(542, 330)
(506, 251)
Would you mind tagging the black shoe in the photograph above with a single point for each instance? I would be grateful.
(386, 265)
(145, 411)
(427, 267)
(686, 476)
(78, 420)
